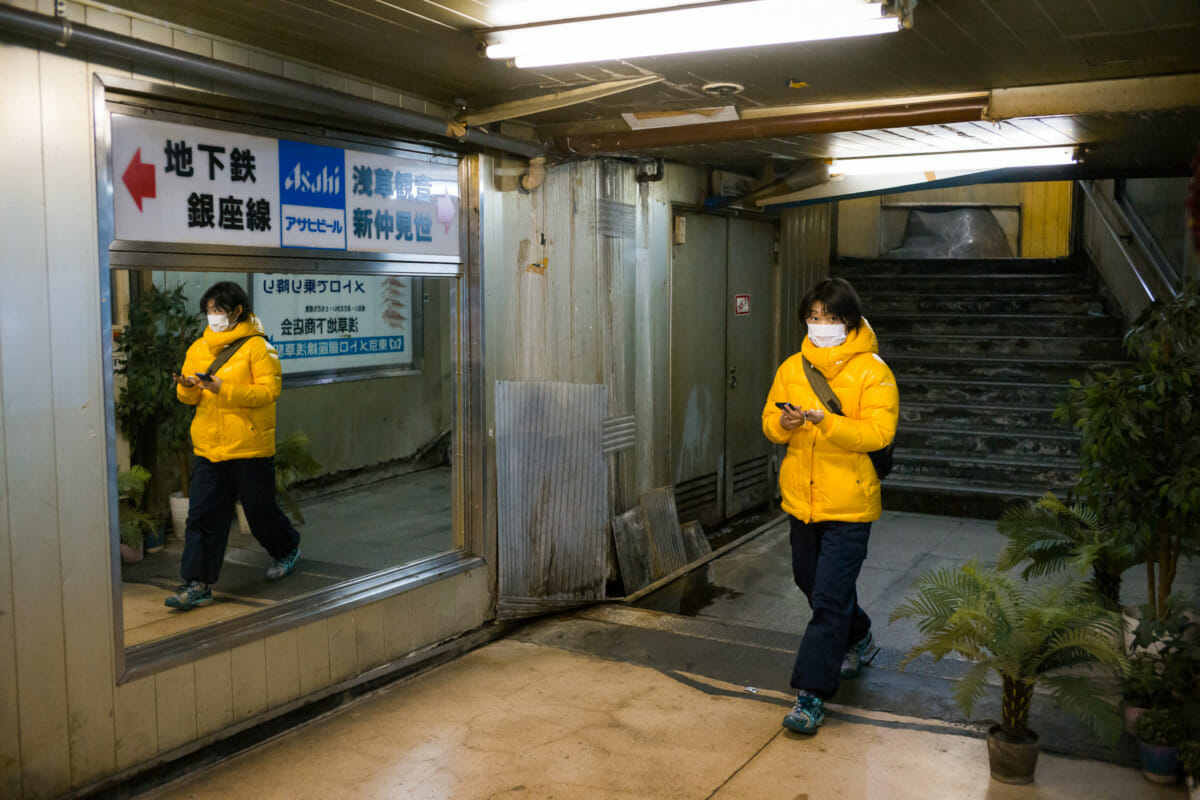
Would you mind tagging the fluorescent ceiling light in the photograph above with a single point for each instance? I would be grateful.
(698, 28)
(967, 161)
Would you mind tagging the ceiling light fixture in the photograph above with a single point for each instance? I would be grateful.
(699, 27)
(965, 161)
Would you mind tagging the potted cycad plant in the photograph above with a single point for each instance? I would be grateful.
(1052, 536)
(1025, 633)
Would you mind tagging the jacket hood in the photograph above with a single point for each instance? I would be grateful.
(830, 360)
(251, 325)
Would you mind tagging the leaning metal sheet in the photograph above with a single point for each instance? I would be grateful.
(552, 487)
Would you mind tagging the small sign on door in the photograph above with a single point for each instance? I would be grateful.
(741, 304)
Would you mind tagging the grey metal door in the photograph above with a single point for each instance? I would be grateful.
(749, 361)
(721, 365)
(698, 368)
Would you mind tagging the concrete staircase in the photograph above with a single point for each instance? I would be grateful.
(982, 351)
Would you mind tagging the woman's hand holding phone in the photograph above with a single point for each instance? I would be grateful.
(791, 417)
(184, 380)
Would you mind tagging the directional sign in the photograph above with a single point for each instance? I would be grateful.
(183, 183)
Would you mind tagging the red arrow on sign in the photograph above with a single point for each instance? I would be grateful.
(139, 179)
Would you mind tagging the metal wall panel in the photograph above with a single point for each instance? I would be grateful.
(552, 493)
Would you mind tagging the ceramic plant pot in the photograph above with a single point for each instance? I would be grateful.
(1160, 763)
(1012, 761)
(131, 555)
(153, 541)
(179, 512)
(1131, 715)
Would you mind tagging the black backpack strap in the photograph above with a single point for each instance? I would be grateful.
(228, 352)
(821, 386)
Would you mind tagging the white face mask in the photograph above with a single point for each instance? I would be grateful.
(826, 335)
(218, 322)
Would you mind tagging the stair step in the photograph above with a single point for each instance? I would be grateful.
(979, 500)
(938, 388)
(1032, 370)
(1066, 283)
(1058, 347)
(979, 417)
(888, 325)
(987, 468)
(981, 303)
(953, 440)
(851, 268)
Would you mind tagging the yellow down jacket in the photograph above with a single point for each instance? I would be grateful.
(827, 474)
(239, 421)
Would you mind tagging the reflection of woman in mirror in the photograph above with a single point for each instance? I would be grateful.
(233, 434)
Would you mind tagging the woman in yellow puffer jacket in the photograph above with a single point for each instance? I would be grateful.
(829, 485)
(233, 435)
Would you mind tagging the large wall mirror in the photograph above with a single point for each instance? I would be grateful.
(365, 431)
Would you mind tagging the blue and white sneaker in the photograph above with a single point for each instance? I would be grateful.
(861, 652)
(807, 715)
(284, 566)
(193, 595)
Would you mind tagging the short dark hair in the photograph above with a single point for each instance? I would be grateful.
(228, 296)
(839, 299)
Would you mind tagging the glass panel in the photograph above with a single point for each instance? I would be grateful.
(368, 392)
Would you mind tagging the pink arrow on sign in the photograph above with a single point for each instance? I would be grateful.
(139, 179)
(445, 212)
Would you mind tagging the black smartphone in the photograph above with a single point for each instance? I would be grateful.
(204, 376)
(784, 406)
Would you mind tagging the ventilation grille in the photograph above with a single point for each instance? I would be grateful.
(619, 434)
(694, 496)
(751, 476)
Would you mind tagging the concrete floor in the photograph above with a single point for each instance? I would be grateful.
(682, 697)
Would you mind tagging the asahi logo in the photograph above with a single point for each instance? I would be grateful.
(326, 181)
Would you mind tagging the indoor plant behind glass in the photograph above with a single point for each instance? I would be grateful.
(1027, 634)
(133, 523)
(149, 350)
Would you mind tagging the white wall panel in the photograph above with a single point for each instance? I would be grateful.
(368, 636)
(283, 668)
(73, 285)
(175, 706)
(312, 654)
(214, 701)
(25, 355)
(248, 670)
(136, 722)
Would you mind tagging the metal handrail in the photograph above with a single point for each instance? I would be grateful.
(1154, 280)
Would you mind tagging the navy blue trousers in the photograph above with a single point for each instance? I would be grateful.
(215, 487)
(826, 560)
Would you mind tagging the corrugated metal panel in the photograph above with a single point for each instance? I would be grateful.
(552, 488)
(666, 540)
